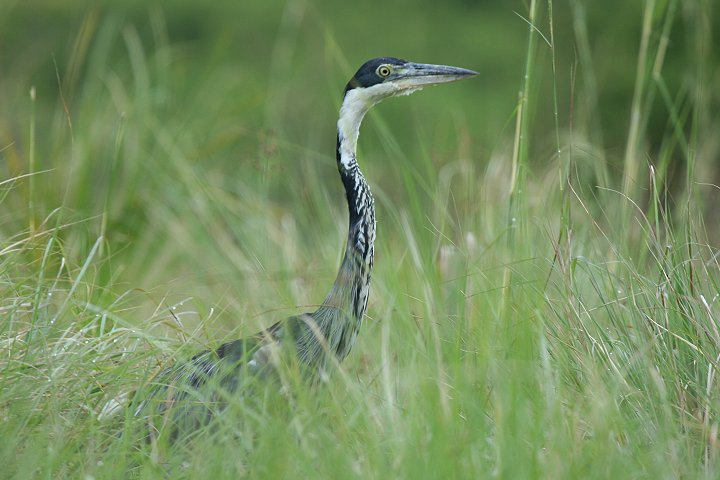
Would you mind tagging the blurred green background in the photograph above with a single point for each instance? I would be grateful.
(289, 58)
(168, 180)
(139, 104)
(248, 91)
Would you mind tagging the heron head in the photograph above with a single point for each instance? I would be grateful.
(378, 79)
(384, 77)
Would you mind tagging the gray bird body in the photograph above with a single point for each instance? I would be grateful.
(316, 339)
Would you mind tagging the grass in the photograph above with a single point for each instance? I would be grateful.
(144, 216)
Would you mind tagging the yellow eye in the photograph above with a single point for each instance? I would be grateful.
(383, 70)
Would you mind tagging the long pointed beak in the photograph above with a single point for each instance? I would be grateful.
(422, 74)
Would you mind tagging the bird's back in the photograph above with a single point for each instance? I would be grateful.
(190, 393)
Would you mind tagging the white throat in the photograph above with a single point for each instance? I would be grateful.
(355, 105)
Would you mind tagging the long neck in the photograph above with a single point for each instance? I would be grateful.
(349, 293)
(340, 315)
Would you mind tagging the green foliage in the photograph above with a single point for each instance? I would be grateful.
(545, 302)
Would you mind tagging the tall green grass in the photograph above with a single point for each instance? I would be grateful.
(524, 321)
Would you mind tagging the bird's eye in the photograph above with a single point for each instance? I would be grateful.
(383, 70)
